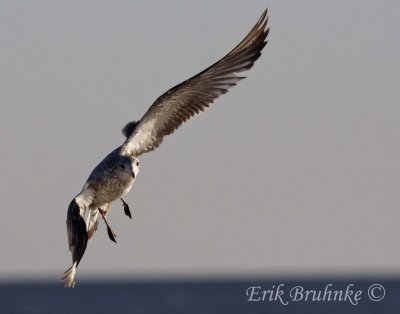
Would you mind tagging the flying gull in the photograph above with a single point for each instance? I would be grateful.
(114, 176)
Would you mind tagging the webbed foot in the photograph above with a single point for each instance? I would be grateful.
(126, 208)
(111, 233)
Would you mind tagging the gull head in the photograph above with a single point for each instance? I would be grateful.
(127, 167)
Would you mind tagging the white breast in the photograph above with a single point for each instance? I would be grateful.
(128, 188)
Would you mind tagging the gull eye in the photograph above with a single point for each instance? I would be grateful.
(122, 166)
(137, 163)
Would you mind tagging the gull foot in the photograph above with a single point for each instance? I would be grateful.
(110, 232)
(126, 208)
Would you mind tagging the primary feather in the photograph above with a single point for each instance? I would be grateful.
(192, 96)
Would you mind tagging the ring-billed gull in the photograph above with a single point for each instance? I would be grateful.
(114, 176)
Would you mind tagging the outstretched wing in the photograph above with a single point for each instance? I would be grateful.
(192, 96)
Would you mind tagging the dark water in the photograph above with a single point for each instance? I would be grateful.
(228, 296)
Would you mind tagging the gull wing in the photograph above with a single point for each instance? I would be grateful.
(192, 96)
(82, 223)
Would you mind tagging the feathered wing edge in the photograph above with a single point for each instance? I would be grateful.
(192, 96)
(77, 238)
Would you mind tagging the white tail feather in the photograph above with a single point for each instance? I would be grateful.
(69, 276)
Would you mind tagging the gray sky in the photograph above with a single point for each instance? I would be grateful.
(294, 171)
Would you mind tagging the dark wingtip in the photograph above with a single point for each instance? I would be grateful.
(77, 234)
(129, 128)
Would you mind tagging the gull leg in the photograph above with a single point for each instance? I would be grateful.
(126, 208)
(111, 233)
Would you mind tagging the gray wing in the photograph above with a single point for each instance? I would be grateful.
(77, 240)
(192, 96)
(82, 223)
(76, 230)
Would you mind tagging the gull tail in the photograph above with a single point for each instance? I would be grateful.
(77, 239)
(69, 276)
